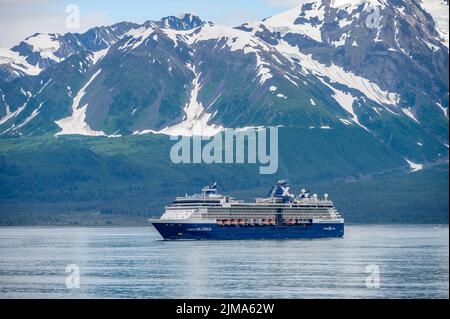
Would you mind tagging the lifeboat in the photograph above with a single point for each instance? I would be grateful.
(265, 221)
(219, 222)
(235, 221)
(272, 222)
(226, 222)
(242, 222)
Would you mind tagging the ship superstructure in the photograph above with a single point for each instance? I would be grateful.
(280, 215)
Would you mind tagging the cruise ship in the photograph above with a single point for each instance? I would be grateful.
(280, 215)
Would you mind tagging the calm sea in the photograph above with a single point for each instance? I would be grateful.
(370, 262)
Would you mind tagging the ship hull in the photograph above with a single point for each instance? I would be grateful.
(205, 231)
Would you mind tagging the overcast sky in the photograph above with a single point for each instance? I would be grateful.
(22, 18)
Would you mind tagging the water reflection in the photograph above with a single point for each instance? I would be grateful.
(135, 263)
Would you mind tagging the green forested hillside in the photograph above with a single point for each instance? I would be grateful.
(79, 180)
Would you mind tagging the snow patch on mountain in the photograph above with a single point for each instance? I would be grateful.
(235, 39)
(46, 45)
(345, 4)
(346, 100)
(443, 109)
(30, 118)
(339, 75)
(196, 118)
(346, 122)
(178, 36)
(76, 124)
(350, 5)
(264, 74)
(11, 114)
(97, 56)
(309, 16)
(17, 62)
(408, 111)
(439, 11)
(415, 167)
(138, 36)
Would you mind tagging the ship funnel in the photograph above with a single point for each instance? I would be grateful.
(209, 190)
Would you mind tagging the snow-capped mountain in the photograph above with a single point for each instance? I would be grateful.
(403, 38)
(39, 51)
(378, 68)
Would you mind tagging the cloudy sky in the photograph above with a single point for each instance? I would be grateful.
(21, 18)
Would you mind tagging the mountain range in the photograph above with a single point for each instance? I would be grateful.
(364, 84)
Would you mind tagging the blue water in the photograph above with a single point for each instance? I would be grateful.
(413, 262)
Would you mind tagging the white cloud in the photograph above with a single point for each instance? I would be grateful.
(284, 3)
(22, 18)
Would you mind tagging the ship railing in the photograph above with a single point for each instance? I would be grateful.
(268, 216)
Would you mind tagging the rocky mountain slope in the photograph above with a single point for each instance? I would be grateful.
(380, 67)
